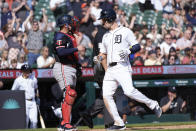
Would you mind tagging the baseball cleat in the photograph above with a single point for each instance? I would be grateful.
(66, 127)
(158, 111)
(115, 127)
(60, 128)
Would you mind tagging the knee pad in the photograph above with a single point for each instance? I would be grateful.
(70, 96)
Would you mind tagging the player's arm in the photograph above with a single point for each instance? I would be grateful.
(63, 46)
(103, 58)
(36, 86)
(65, 51)
(135, 48)
(15, 85)
(134, 45)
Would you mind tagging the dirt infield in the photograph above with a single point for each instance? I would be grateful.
(164, 127)
(150, 128)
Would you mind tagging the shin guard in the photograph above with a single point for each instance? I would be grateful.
(70, 96)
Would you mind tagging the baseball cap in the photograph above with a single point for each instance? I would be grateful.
(172, 89)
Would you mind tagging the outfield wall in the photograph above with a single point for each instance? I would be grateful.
(150, 80)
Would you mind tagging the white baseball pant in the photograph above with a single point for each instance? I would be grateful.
(31, 113)
(121, 74)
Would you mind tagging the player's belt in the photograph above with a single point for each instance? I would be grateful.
(29, 99)
(112, 64)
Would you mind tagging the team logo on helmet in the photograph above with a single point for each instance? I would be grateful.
(59, 42)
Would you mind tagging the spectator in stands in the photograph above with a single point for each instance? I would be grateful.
(144, 32)
(84, 40)
(193, 53)
(172, 103)
(5, 14)
(76, 6)
(152, 59)
(106, 4)
(178, 18)
(143, 53)
(158, 51)
(166, 45)
(35, 42)
(10, 30)
(21, 60)
(13, 64)
(20, 7)
(138, 61)
(44, 60)
(154, 35)
(3, 43)
(4, 60)
(190, 16)
(175, 33)
(136, 30)
(149, 45)
(167, 8)
(173, 58)
(86, 21)
(60, 7)
(193, 61)
(16, 46)
(95, 12)
(43, 22)
(177, 4)
(185, 41)
(83, 59)
(187, 56)
(132, 20)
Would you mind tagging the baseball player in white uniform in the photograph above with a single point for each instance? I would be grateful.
(116, 46)
(28, 83)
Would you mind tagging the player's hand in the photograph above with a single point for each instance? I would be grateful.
(124, 53)
(95, 59)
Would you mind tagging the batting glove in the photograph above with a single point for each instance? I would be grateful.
(124, 53)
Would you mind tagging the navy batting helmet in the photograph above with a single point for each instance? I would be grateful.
(65, 19)
(25, 67)
(108, 14)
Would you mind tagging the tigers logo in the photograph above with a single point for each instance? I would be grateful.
(118, 39)
(59, 42)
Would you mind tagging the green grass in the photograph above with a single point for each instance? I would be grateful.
(131, 126)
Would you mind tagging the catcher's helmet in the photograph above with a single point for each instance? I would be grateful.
(108, 14)
(25, 67)
(65, 19)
